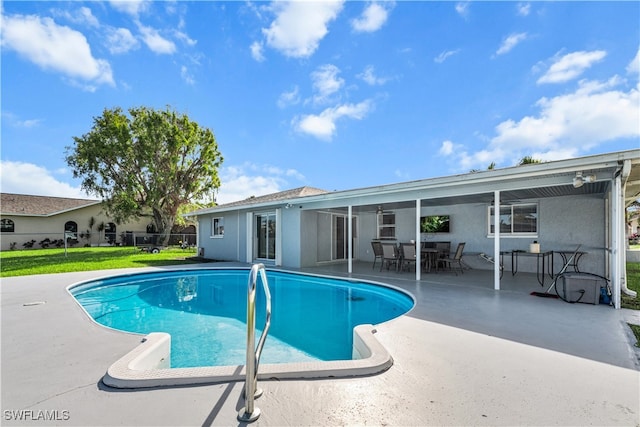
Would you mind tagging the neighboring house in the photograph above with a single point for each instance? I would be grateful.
(560, 204)
(25, 218)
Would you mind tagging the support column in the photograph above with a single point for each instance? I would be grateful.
(617, 242)
(418, 252)
(350, 239)
(496, 240)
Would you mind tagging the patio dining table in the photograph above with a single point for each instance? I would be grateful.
(571, 262)
(542, 259)
(430, 255)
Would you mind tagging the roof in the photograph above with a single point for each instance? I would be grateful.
(547, 179)
(268, 198)
(27, 205)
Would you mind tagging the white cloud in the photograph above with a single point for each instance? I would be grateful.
(187, 76)
(299, 26)
(565, 126)
(40, 182)
(444, 55)
(10, 119)
(523, 9)
(289, 98)
(155, 41)
(463, 9)
(256, 51)
(82, 16)
(54, 47)
(323, 125)
(571, 66)
(634, 65)
(120, 40)
(130, 7)
(446, 148)
(373, 17)
(369, 76)
(249, 179)
(510, 42)
(184, 37)
(326, 82)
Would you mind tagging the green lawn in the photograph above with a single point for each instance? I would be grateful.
(45, 261)
(633, 283)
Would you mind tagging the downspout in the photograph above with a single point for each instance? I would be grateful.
(624, 175)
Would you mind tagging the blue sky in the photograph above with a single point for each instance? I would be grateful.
(335, 95)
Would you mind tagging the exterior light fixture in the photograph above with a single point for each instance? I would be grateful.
(579, 179)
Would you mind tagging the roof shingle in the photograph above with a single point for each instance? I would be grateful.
(24, 204)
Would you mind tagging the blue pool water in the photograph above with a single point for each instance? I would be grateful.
(205, 313)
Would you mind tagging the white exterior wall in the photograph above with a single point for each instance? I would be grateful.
(40, 227)
(564, 222)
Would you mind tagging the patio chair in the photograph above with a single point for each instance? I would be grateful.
(377, 252)
(389, 255)
(407, 255)
(456, 259)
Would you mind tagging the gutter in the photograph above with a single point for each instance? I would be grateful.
(625, 171)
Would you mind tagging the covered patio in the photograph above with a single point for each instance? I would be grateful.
(563, 207)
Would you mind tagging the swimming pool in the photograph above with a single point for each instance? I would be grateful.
(204, 312)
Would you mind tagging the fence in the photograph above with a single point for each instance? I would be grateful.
(15, 241)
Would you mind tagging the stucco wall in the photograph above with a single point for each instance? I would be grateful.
(563, 224)
(227, 247)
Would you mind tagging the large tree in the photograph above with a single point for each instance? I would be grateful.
(146, 163)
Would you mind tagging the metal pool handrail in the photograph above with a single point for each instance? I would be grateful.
(250, 413)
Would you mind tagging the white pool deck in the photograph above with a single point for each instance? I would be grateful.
(465, 355)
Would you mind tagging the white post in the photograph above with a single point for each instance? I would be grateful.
(617, 243)
(418, 252)
(350, 239)
(496, 240)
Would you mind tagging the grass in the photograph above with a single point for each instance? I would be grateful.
(46, 261)
(633, 283)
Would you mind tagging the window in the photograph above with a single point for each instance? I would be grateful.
(217, 227)
(7, 225)
(110, 232)
(387, 225)
(71, 230)
(517, 220)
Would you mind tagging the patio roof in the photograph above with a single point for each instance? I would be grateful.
(517, 183)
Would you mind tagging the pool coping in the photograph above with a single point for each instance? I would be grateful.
(148, 364)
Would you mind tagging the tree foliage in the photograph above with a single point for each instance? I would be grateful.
(528, 160)
(147, 163)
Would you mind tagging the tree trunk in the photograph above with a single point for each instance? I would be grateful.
(164, 224)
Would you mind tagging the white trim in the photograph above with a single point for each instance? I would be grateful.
(249, 238)
(278, 257)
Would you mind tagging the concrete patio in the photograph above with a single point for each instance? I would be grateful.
(465, 355)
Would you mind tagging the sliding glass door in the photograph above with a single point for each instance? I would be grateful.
(333, 237)
(265, 228)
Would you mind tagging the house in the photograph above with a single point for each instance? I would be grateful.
(559, 204)
(27, 220)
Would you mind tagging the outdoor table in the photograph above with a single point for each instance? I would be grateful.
(574, 263)
(541, 261)
(431, 257)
